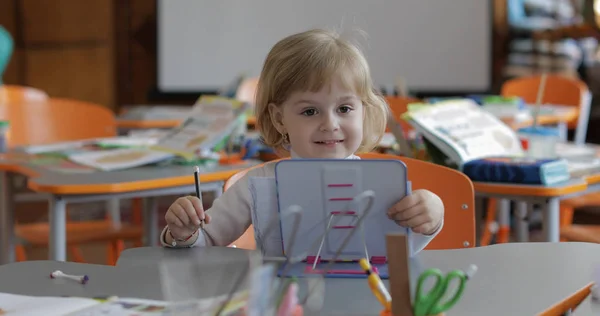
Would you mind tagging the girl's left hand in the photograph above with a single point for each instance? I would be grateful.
(422, 211)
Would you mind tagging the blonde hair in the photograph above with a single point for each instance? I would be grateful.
(308, 61)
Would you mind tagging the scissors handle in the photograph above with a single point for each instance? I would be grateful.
(440, 307)
(426, 302)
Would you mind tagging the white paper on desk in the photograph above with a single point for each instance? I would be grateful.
(12, 304)
(122, 158)
(265, 213)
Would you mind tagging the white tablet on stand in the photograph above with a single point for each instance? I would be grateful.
(325, 190)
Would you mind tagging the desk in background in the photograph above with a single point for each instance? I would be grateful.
(558, 115)
(79, 184)
(169, 116)
(157, 117)
(584, 165)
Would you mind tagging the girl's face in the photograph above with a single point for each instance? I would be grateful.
(323, 124)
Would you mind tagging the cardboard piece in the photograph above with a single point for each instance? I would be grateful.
(399, 274)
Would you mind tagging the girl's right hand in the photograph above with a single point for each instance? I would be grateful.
(184, 217)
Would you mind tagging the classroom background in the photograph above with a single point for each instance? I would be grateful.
(129, 71)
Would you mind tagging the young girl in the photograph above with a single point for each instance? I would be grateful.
(315, 99)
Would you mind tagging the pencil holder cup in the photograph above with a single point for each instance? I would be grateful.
(540, 141)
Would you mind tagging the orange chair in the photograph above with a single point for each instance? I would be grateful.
(14, 93)
(246, 92)
(560, 90)
(459, 221)
(59, 120)
(399, 106)
(400, 128)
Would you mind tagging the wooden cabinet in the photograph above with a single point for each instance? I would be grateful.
(92, 50)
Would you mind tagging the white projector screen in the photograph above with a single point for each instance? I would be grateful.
(436, 45)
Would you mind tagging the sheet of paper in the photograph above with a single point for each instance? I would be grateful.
(21, 305)
(143, 307)
(123, 158)
(38, 149)
(156, 112)
(128, 141)
(150, 133)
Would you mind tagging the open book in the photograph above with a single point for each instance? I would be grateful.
(17, 305)
(481, 145)
(464, 132)
(211, 121)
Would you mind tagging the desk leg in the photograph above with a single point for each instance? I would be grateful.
(114, 209)
(150, 221)
(7, 222)
(522, 221)
(563, 131)
(551, 224)
(58, 229)
(503, 235)
(479, 219)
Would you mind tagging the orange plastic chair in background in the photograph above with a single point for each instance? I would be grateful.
(246, 92)
(560, 90)
(402, 130)
(399, 106)
(453, 187)
(60, 120)
(56, 120)
(14, 93)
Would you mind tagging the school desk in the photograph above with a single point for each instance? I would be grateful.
(587, 307)
(547, 196)
(558, 115)
(147, 117)
(513, 279)
(82, 184)
(526, 195)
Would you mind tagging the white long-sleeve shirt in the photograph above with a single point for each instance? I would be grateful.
(231, 215)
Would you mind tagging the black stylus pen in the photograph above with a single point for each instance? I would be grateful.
(198, 193)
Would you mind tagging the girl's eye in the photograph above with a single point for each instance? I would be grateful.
(309, 112)
(345, 109)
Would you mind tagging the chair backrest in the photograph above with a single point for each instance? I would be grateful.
(453, 187)
(56, 120)
(559, 90)
(15, 93)
(456, 191)
(247, 90)
(398, 106)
